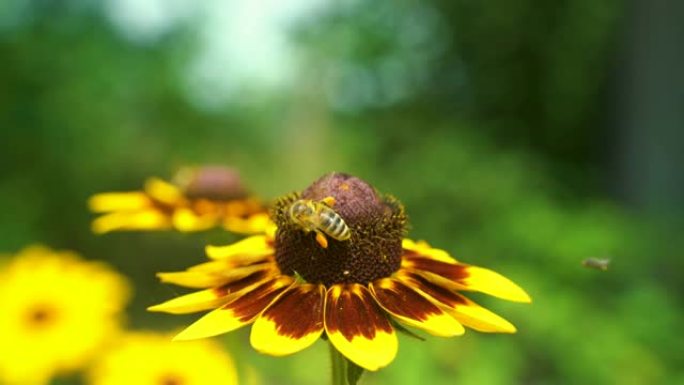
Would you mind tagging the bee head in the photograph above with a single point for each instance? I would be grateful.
(301, 209)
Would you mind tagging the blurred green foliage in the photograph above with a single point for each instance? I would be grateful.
(481, 117)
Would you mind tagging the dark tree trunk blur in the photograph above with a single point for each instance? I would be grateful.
(650, 107)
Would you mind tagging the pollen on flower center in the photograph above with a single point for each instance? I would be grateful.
(377, 224)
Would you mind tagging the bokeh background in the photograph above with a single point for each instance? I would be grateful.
(522, 136)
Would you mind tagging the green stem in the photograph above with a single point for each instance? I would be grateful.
(339, 366)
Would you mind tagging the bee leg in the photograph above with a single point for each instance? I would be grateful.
(328, 201)
(321, 239)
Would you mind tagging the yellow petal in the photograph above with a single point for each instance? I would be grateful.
(142, 220)
(460, 276)
(461, 308)
(254, 245)
(257, 223)
(164, 192)
(193, 302)
(200, 279)
(186, 220)
(217, 296)
(414, 309)
(495, 284)
(242, 311)
(476, 317)
(357, 327)
(424, 249)
(292, 323)
(227, 267)
(214, 267)
(216, 322)
(118, 201)
(192, 279)
(270, 230)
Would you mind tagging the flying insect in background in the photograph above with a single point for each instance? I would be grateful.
(596, 263)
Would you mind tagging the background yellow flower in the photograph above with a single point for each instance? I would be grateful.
(153, 359)
(198, 199)
(57, 311)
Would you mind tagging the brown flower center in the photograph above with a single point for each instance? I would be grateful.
(211, 182)
(377, 224)
(171, 379)
(40, 316)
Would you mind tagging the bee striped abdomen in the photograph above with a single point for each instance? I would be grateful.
(334, 226)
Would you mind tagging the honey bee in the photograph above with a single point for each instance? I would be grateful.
(596, 263)
(318, 216)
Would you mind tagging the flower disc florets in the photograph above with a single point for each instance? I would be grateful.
(377, 225)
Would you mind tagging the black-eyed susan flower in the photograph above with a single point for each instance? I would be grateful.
(356, 292)
(198, 199)
(57, 311)
(147, 358)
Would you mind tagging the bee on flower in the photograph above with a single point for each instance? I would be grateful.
(197, 199)
(357, 291)
(319, 217)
